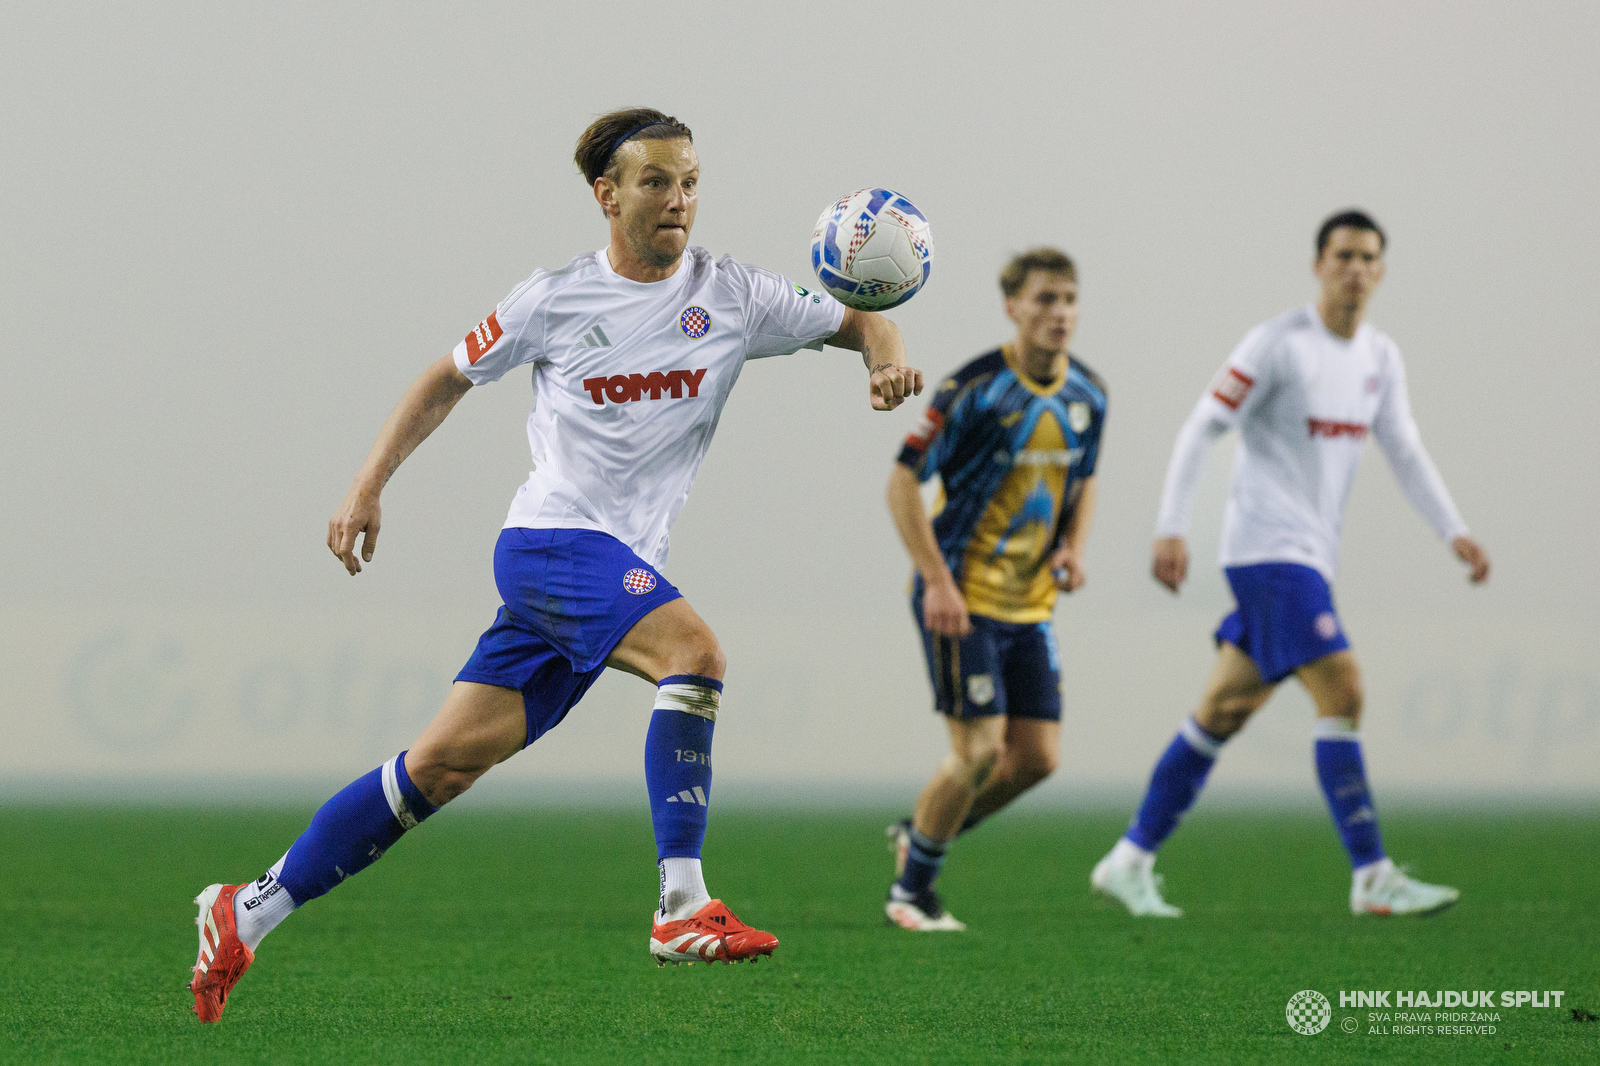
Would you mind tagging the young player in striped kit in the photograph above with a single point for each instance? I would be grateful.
(1014, 438)
(634, 350)
(1305, 390)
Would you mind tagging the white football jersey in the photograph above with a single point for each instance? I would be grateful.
(629, 379)
(1304, 400)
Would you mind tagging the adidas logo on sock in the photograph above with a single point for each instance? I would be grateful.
(595, 338)
(697, 796)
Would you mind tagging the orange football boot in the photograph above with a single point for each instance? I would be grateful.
(711, 934)
(223, 957)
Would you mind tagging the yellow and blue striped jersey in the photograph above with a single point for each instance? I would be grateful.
(1010, 454)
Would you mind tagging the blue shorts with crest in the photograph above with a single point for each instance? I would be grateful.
(1285, 617)
(1009, 668)
(570, 595)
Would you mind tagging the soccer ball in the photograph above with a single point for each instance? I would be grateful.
(872, 250)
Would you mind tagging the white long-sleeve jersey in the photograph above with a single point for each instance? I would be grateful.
(1304, 400)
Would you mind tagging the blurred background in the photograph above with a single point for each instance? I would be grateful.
(233, 235)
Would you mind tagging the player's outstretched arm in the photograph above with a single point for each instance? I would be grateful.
(418, 414)
(883, 352)
(943, 609)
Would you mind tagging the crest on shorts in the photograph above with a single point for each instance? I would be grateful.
(980, 689)
(638, 581)
(1326, 625)
(695, 322)
(1078, 416)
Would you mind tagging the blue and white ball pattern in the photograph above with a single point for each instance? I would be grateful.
(872, 249)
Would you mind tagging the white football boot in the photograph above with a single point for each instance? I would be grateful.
(1127, 874)
(1383, 888)
(922, 913)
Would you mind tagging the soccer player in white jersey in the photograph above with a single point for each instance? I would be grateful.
(1304, 390)
(633, 351)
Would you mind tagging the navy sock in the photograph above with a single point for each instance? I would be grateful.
(1344, 783)
(353, 829)
(923, 860)
(1174, 784)
(677, 762)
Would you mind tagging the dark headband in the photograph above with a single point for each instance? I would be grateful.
(633, 133)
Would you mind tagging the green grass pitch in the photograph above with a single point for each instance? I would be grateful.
(520, 936)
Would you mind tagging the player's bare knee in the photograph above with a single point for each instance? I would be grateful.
(448, 785)
(700, 653)
(1345, 702)
(439, 781)
(1224, 714)
(1033, 765)
(976, 760)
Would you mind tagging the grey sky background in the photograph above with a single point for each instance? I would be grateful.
(235, 234)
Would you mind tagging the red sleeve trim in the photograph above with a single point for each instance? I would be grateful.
(482, 338)
(1232, 388)
(928, 429)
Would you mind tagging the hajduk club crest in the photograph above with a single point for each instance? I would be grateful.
(638, 581)
(695, 322)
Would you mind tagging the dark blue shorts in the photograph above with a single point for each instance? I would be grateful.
(570, 595)
(1285, 617)
(1004, 668)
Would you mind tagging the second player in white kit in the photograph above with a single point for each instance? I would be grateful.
(1304, 400)
(1305, 390)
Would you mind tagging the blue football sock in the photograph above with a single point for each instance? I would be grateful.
(923, 860)
(1344, 782)
(677, 762)
(1174, 784)
(353, 829)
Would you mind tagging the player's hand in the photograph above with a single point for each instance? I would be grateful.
(892, 385)
(1471, 553)
(358, 514)
(944, 611)
(1066, 566)
(1169, 561)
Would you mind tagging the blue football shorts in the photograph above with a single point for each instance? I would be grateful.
(1007, 668)
(1285, 617)
(569, 596)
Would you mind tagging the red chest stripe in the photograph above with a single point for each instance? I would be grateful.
(1323, 427)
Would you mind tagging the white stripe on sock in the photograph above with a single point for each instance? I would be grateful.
(691, 699)
(397, 802)
(1199, 739)
(1334, 729)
